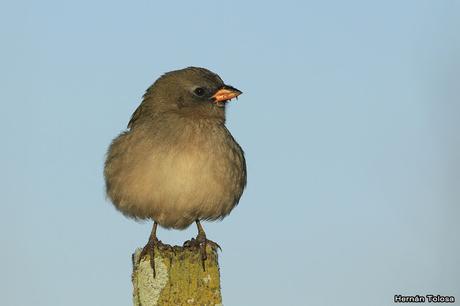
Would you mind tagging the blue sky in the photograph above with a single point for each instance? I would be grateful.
(349, 121)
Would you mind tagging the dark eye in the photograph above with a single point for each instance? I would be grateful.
(199, 91)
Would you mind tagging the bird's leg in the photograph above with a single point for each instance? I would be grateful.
(201, 241)
(150, 247)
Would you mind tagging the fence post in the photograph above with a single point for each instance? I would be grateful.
(180, 278)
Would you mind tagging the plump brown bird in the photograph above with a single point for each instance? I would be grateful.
(177, 163)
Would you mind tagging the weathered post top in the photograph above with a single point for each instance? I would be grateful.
(179, 279)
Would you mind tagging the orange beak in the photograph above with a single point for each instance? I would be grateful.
(226, 93)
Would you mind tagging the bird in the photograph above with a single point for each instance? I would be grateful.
(177, 163)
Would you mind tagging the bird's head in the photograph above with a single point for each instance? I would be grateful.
(191, 91)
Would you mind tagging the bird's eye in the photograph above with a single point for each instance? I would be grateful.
(199, 91)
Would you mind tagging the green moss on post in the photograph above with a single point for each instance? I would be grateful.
(180, 279)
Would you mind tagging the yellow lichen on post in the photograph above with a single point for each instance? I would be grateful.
(179, 280)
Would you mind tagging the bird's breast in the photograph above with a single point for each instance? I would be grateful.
(199, 165)
(195, 174)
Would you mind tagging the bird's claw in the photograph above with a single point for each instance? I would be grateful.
(201, 242)
(149, 249)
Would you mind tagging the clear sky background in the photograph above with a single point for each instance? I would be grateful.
(349, 120)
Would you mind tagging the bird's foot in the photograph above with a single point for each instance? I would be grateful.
(149, 249)
(201, 242)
